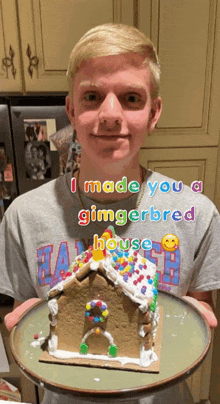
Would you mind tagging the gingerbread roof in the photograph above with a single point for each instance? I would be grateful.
(128, 269)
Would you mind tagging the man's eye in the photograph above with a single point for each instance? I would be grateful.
(91, 97)
(132, 98)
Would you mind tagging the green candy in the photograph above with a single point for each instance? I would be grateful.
(113, 350)
(156, 280)
(153, 306)
(83, 348)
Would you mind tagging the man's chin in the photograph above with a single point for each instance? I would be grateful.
(113, 155)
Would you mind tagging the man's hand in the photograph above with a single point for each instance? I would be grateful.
(11, 319)
(203, 302)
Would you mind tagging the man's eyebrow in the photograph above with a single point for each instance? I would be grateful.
(87, 83)
(129, 86)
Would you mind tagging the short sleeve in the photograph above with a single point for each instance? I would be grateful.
(14, 272)
(206, 274)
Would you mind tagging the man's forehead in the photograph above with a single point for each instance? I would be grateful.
(92, 71)
(114, 63)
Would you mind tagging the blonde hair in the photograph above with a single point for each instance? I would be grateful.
(114, 39)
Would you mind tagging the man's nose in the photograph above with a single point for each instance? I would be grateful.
(110, 112)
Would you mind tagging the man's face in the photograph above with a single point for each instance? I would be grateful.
(112, 109)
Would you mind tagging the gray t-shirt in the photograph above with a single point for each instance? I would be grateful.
(40, 236)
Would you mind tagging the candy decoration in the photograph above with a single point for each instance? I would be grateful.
(98, 255)
(143, 290)
(97, 331)
(111, 228)
(154, 303)
(106, 235)
(113, 350)
(105, 313)
(96, 318)
(84, 348)
(156, 280)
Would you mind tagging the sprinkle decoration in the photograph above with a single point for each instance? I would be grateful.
(90, 309)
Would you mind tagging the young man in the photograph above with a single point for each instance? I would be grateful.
(113, 102)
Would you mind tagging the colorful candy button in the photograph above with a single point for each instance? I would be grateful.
(113, 350)
(83, 348)
(105, 313)
(143, 289)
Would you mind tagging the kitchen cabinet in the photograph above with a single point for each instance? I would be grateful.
(10, 59)
(50, 29)
(42, 34)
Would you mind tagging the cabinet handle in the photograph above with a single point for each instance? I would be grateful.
(33, 61)
(9, 62)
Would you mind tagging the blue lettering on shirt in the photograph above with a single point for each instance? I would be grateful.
(44, 264)
(171, 268)
(168, 263)
(63, 260)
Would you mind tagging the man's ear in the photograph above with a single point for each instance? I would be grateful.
(155, 113)
(70, 109)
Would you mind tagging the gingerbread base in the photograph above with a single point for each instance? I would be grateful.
(114, 364)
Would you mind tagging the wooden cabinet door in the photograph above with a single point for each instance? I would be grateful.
(51, 28)
(10, 72)
(186, 35)
(185, 144)
(185, 165)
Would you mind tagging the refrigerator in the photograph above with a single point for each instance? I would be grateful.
(28, 156)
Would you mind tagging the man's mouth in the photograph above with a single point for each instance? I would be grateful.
(110, 137)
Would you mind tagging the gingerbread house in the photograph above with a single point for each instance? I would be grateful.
(105, 312)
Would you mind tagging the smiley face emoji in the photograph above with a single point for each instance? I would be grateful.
(170, 242)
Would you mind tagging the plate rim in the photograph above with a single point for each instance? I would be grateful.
(118, 393)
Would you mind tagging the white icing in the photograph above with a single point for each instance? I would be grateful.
(53, 307)
(141, 331)
(103, 332)
(37, 342)
(155, 321)
(94, 265)
(146, 358)
(53, 343)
